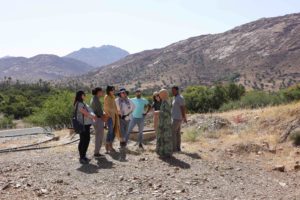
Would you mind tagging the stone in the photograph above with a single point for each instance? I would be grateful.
(282, 184)
(297, 167)
(44, 191)
(280, 168)
(6, 186)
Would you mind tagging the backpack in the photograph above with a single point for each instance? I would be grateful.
(77, 126)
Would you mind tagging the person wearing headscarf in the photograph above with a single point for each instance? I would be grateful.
(164, 144)
(110, 108)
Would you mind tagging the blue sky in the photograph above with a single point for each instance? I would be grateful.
(30, 27)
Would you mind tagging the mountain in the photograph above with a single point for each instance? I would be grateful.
(46, 67)
(264, 54)
(99, 56)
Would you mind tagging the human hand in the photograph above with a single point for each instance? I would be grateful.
(185, 120)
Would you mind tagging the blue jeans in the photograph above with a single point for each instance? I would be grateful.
(132, 124)
(124, 127)
(111, 134)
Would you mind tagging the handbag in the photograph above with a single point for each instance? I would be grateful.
(77, 126)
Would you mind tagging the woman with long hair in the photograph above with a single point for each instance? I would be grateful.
(156, 108)
(113, 123)
(86, 119)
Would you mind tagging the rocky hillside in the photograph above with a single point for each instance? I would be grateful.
(262, 54)
(99, 56)
(46, 67)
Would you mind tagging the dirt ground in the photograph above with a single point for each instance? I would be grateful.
(199, 172)
(228, 155)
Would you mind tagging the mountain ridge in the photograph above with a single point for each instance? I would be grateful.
(263, 54)
(99, 56)
(42, 66)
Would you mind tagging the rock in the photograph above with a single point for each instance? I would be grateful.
(156, 187)
(60, 181)
(44, 191)
(180, 191)
(297, 167)
(143, 159)
(6, 186)
(130, 189)
(280, 168)
(121, 178)
(282, 184)
(272, 150)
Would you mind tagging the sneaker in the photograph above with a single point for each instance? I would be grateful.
(84, 161)
(98, 155)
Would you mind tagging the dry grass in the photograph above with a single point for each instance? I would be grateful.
(255, 134)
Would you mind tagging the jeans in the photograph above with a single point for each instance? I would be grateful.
(140, 123)
(124, 124)
(111, 134)
(84, 141)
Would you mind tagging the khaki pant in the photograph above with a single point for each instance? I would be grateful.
(99, 133)
(176, 133)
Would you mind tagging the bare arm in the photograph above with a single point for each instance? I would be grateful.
(183, 112)
(148, 108)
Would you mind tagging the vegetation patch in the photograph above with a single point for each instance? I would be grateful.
(295, 138)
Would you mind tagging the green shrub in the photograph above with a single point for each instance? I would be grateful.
(6, 122)
(295, 138)
(232, 105)
(191, 135)
(56, 112)
(235, 92)
(292, 93)
(201, 99)
(256, 99)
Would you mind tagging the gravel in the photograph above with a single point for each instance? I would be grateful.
(57, 174)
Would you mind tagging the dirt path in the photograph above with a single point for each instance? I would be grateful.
(56, 174)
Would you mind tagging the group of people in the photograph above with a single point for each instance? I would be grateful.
(119, 114)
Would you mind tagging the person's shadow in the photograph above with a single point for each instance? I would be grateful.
(102, 163)
(192, 155)
(176, 162)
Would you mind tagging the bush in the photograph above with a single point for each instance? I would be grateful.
(7, 122)
(20, 100)
(56, 112)
(201, 99)
(232, 105)
(256, 99)
(295, 138)
(235, 92)
(191, 135)
(292, 93)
